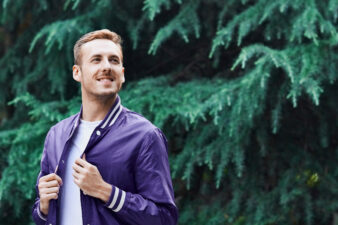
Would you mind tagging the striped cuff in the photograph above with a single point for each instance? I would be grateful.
(40, 213)
(116, 199)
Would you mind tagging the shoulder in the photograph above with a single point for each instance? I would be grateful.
(66, 122)
(139, 123)
(63, 125)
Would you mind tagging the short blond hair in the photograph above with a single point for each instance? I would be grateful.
(98, 34)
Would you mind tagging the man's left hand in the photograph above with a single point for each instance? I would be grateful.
(89, 180)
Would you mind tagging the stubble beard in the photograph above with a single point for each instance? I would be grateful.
(103, 96)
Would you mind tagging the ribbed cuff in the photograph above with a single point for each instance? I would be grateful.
(116, 199)
(41, 215)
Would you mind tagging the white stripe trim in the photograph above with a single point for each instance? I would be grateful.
(115, 198)
(39, 213)
(123, 198)
(111, 114)
(117, 115)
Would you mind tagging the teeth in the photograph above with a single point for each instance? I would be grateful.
(105, 79)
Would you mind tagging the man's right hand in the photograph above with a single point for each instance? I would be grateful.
(49, 186)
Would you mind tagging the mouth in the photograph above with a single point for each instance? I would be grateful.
(105, 79)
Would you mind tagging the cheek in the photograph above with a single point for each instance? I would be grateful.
(89, 68)
(120, 73)
(89, 74)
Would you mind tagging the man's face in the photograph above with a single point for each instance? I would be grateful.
(101, 73)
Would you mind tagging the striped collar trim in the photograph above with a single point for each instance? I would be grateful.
(111, 116)
(113, 113)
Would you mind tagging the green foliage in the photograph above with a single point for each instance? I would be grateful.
(184, 23)
(154, 7)
(251, 126)
(24, 144)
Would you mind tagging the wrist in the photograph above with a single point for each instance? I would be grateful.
(105, 191)
(43, 209)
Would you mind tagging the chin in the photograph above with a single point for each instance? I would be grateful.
(107, 94)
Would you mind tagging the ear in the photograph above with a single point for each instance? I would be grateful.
(77, 73)
(123, 79)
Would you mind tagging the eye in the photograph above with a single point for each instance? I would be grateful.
(114, 60)
(96, 60)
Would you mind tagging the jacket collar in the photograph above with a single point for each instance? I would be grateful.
(109, 119)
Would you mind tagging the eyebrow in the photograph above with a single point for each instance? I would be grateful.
(99, 56)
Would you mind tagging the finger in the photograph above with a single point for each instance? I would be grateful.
(78, 169)
(84, 157)
(59, 180)
(49, 196)
(77, 182)
(51, 177)
(82, 188)
(51, 190)
(48, 177)
(49, 184)
(76, 175)
(82, 162)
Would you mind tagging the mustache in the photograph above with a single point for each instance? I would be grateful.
(106, 75)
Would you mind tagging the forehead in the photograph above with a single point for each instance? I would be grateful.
(102, 47)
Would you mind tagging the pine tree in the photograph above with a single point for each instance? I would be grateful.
(245, 92)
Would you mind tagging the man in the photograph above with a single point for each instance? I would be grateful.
(106, 164)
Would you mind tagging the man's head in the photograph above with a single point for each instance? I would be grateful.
(98, 65)
(98, 34)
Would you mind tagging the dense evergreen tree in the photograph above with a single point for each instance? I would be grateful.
(246, 92)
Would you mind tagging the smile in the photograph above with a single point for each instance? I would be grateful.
(105, 78)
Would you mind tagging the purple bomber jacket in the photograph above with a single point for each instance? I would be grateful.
(131, 155)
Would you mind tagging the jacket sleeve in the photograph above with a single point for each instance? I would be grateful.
(154, 201)
(38, 216)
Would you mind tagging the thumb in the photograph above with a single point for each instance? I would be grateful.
(84, 157)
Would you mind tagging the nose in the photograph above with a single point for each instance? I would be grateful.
(106, 65)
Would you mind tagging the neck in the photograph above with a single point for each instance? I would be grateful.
(96, 109)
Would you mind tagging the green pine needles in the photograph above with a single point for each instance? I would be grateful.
(245, 91)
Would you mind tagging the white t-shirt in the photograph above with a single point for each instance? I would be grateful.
(70, 210)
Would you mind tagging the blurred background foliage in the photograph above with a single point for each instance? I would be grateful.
(245, 90)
